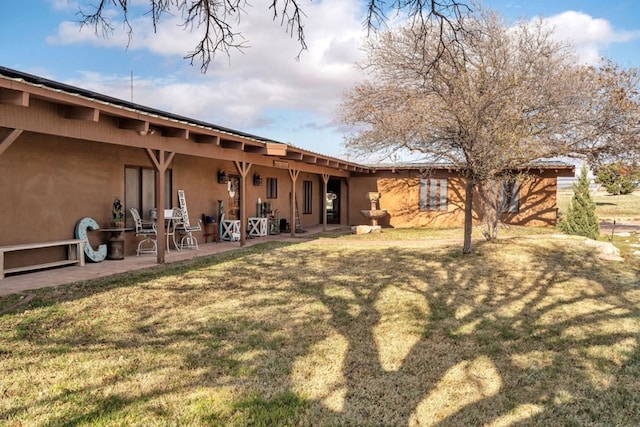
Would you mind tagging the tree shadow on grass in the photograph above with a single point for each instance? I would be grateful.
(500, 341)
(518, 333)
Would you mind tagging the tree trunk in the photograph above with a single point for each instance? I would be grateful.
(490, 199)
(468, 215)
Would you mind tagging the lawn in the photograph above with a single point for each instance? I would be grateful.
(626, 206)
(338, 331)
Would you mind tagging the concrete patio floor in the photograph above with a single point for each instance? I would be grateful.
(21, 283)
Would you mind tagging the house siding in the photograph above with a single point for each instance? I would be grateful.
(400, 196)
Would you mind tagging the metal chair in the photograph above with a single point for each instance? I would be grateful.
(174, 223)
(184, 227)
(147, 229)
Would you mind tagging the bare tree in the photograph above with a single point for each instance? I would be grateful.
(215, 20)
(496, 100)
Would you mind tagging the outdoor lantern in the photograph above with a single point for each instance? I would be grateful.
(222, 177)
(257, 180)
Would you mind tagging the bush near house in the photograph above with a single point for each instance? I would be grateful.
(581, 218)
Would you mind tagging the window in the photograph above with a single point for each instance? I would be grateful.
(307, 195)
(509, 202)
(140, 191)
(433, 194)
(272, 188)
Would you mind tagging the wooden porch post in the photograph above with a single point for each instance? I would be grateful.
(243, 169)
(325, 180)
(348, 207)
(161, 160)
(293, 173)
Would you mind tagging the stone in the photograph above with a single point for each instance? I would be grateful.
(366, 229)
(605, 250)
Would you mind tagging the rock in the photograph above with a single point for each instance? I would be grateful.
(605, 250)
(366, 229)
(623, 234)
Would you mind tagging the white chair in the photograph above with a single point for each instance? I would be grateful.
(184, 227)
(147, 229)
(173, 223)
(230, 229)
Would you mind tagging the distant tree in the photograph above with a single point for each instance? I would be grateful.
(498, 100)
(581, 219)
(216, 19)
(618, 177)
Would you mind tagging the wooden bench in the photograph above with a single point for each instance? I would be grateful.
(75, 255)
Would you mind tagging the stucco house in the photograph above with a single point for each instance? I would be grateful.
(66, 153)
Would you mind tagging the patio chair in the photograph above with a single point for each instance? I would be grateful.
(174, 223)
(184, 227)
(147, 229)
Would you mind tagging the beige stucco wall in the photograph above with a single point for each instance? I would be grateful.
(400, 197)
(49, 183)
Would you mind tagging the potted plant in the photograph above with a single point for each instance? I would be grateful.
(117, 212)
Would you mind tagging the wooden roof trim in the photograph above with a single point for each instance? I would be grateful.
(140, 126)
(17, 89)
(14, 97)
(276, 149)
(172, 132)
(81, 113)
(232, 144)
(293, 155)
(203, 138)
(308, 158)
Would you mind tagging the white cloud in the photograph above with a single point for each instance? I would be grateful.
(589, 35)
(251, 89)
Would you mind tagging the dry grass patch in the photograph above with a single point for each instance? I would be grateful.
(524, 331)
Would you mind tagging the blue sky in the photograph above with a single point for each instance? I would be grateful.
(264, 90)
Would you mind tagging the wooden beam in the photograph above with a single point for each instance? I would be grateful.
(170, 132)
(325, 181)
(243, 169)
(293, 173)
(9, 139)
(235, 145)
(132, 124)
(14, 97)
(293, 155)
(161, 159)
(81, 113)
(276, 149)
(205, 139)
(309, 159)
(258, 149)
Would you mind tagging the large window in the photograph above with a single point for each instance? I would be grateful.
(140, 191)
(307, 187)
(509, 202)
(433, 194)
(272, 188)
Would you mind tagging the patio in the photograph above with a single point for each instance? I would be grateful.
(20, 283)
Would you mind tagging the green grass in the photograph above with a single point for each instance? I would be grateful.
(607, 206)
(338, 331)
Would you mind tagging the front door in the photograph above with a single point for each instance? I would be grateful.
(333, 201)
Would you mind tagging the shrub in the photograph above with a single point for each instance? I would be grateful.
(581, 219)
(618, 178)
